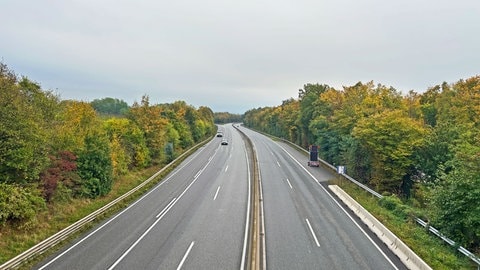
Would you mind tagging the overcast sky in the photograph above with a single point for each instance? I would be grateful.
(236, 55)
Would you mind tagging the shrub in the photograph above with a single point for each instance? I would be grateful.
(19, 204)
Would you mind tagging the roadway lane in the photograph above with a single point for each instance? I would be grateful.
(194, 219)
(304, 227)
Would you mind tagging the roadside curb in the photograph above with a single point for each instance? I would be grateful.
(406, 255)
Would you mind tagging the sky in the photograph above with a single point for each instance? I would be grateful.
(233, 56)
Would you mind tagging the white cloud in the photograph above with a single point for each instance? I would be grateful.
(237, 55)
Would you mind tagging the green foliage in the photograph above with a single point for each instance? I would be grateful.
(110, 106)
(23, 135)
(95, 166)
(391, 137)
(307, 97)
(226, 117)
(403, 145)
(396, 206)
(455, 207)
(19, 204)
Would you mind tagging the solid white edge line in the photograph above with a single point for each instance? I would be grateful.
(185, 256)
(262, 213)
(247, 221)
(122, 212)
(216, 193)
(313, 233)
(345, 211)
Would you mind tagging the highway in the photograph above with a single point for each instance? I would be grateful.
(196, 218)
(305, 228)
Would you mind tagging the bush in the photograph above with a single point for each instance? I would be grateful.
(19, 204)
(395, 205)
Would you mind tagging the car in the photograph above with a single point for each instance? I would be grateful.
(219, 134)
(224, 142)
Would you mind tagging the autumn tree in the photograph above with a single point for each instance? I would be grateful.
(24, 138)
(391, 137)
(149, 119)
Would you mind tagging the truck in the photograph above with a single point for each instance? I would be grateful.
(313, 156)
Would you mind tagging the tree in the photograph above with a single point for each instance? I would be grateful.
(110, 106)
(391, 137)
(455, 208)
(75, 120)
(149, 119)
(127, 143)
(60, 176)
(307, 96)
(23, 137)
(95, 166)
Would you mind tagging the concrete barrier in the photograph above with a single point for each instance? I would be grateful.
(406, 255)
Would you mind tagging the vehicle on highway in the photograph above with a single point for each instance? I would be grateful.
(313, 154)
(219, 134)
(224, 142)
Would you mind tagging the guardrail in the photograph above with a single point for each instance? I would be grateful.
(77, 226)
(419, 221)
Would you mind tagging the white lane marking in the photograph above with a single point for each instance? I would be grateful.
(155, 223)
(288, 181)
(130, 206)
(210, 158)
(226, 168)
(313, 233)
(165, 210)
(343, 209)
(199, 172)
(278, 163)
(247, 221)
(185, 256)
(216, 193)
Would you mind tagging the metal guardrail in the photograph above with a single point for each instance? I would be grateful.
(421, 222)
(77, 226)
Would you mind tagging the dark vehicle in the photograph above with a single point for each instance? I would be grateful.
(313, 154)
(224, 142)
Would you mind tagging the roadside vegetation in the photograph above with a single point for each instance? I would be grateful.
(62, 159)
(398, 217)
(422, 149)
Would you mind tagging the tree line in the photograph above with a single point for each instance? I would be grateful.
(422, 147)
(53, 149)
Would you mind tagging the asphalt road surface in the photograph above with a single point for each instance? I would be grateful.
(305, 228)
(196, 218)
